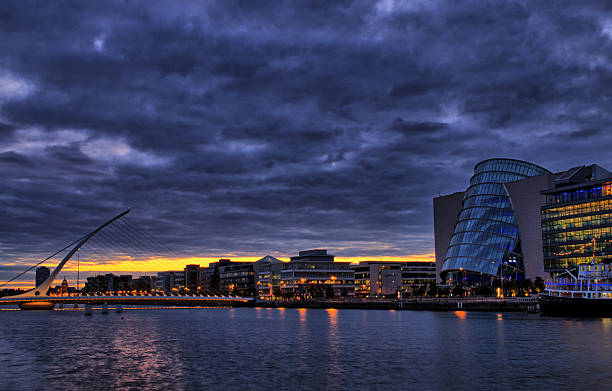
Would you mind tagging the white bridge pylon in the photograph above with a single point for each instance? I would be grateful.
(43, 288)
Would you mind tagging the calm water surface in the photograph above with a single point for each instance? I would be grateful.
(251, 348)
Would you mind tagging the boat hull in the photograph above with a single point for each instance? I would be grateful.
(575, 307)
(37, 305)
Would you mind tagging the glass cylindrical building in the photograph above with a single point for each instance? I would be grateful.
(485, 240)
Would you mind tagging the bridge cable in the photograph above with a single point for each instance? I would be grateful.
(44, 260)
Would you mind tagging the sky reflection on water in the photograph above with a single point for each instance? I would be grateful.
(252, 348)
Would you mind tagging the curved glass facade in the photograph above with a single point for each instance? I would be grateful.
(486, 234)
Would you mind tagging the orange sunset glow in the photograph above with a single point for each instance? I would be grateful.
(126, 265)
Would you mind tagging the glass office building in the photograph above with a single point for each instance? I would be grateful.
(577, 219)
(485, 239)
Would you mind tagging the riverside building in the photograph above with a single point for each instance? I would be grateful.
(169, 281)
(577, 219)
(493, 216)
(268, 271)
(380, 278)
(236, 278)
(517, 220)
(377, 278)
(418, 275)
(315, 274)
(192, 278)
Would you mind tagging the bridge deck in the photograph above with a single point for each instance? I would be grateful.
(129, 300)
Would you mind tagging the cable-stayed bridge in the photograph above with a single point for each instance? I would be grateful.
(48, 302)
(127, 233)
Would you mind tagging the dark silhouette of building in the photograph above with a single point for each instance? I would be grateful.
(209, 279)
(142, 283)
(112, 283)
(192, 278)
(64, 289)
(42, 273)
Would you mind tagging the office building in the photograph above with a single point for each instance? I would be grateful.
(418, 275)
(377, 278)
(142, 283)
(99, 283)
(227, 277)
(387, 279)
(236, 278)
(577, 219)
(315, 274)
(268, 271)
(169, 281)
(209, 279)
(192, 278)
(42, 273)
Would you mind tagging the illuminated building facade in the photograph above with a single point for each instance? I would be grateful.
(315, 274)
(229, 277)
(577, 219)
(237, 278)
(417, 275)
(377, 278)
(268, 271)
(169, 281)
(380, 278)
(495, 224)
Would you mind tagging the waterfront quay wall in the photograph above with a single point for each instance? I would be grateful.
(516, 304)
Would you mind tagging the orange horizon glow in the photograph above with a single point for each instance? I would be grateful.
(127, 265)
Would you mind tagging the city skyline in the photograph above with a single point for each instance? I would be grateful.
(305, 194)
(238, 132)
(140, 268)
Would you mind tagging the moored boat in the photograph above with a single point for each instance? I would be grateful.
(589, 294)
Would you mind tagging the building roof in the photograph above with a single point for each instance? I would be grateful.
(510, 160)
(580, 177)
(269, 259)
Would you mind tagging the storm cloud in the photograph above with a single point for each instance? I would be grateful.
(253, 128)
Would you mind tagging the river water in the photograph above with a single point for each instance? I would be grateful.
(286, 349)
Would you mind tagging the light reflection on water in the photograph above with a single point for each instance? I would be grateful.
(248, 348)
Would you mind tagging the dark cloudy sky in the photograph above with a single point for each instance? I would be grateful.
(253, 128)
